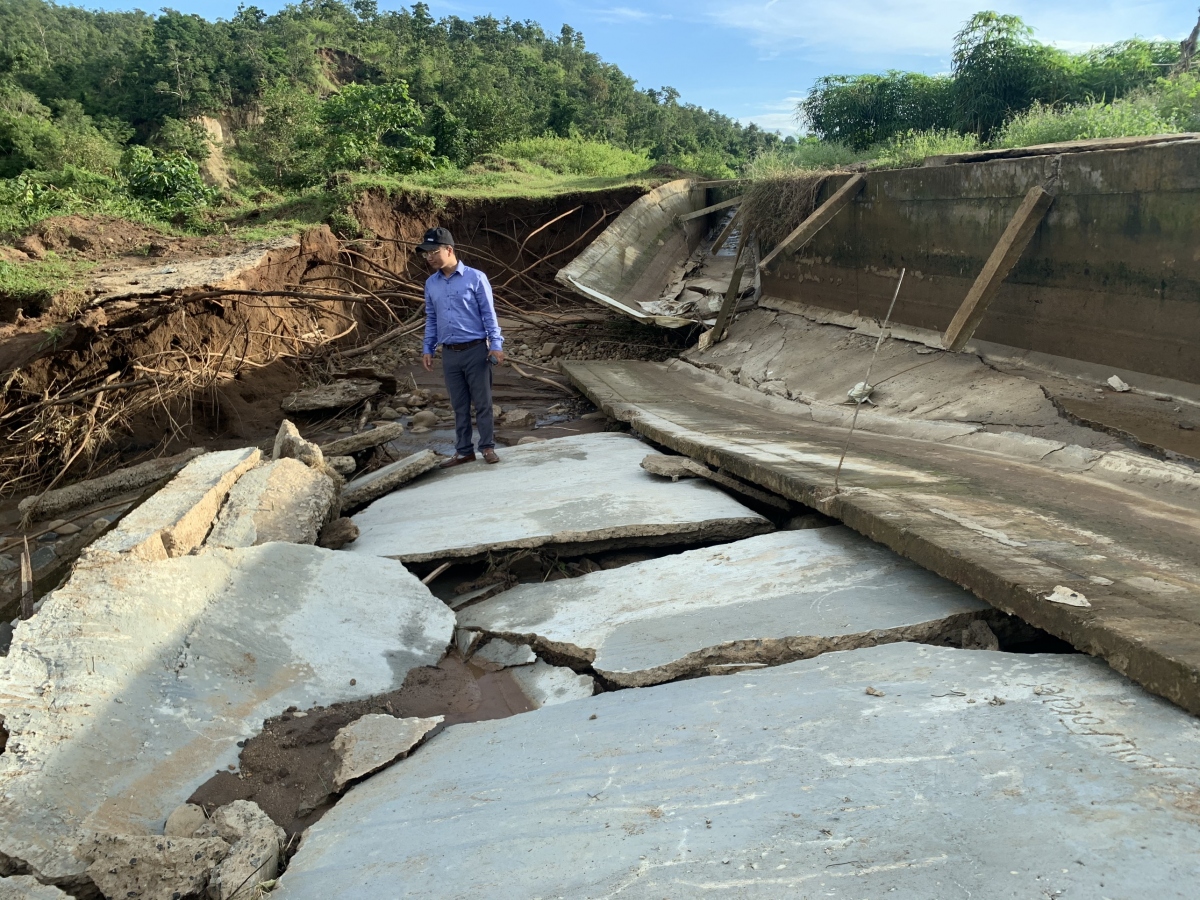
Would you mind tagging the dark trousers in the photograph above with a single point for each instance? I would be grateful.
(469, 383)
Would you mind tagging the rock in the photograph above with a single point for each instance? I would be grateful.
(800, 764)
(338, 395)
(546, 685)
(519, 418)
(26, 887)
(56, 524)
(343, 465)
(594, 416)
(289, 445)
(421, 429)
(529, 439)
(500, 654)
(552, 348)
(175, 521)
(8, 564)
(388, 413)
(977, 636)
(151, 867)
(385, 378)
(338, 534)
(345, 429)
(465, 641)
(569, 491)
(161, 668)
(68, 528)
(363, 490)
(769, 599)
(42, 557)
(256, 843)
(184, 820)
(673, 467)
(1118, 385)
(368, 744)
(426, 417)
(284, 500)
(365, 440)
(497, 411)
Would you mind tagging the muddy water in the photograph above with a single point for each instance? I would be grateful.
(288, 768)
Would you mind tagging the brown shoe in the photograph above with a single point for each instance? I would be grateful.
(489, 456)
(457, 460)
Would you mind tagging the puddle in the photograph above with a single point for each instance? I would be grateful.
(288, 768)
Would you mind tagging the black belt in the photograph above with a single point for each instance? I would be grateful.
(468, 345)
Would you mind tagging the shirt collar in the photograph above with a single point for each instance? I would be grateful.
(458, 270)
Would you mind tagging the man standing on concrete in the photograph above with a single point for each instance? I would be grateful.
(460, 316)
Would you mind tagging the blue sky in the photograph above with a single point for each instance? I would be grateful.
(752, 59)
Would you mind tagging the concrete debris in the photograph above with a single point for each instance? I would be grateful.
(769, 599)
(284, 500)
(977, 636)
(581, 492)
(176, 519)
(1067, 597)
(94, 490)
(153, 867)
(290, 445)
(160, 669)
(519, 418)
(529, 439)
(783, 781)
(465, 640)
(343, 465)
(676, 467)
(365, 440)
(547, 685)
(500, 654)
(338, 395)
(26, 887)
(368, 744)
(337, 534)
(385, 378)
(373, 485)
(426, 418)
(254, 854)
(185, 820)
(1118, 385)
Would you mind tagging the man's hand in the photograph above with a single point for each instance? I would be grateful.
(427, 361)
(498, 355)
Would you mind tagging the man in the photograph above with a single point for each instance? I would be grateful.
(460, 316)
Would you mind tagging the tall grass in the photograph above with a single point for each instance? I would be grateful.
(808, 155)
(575, 156)
(1124, 117)
(911, 148)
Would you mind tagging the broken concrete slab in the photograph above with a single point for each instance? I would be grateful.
(547, 685)
(154, 867)
(373, 485)
(769, 599)
(676, 467)
(501, 654)
(1007, 529)
(290, 445)
(365, 440)
(26, 887)
(85, 493)
(284, 500)
(160, 669)
(581, 492)
(176, 519)
(368, 744)
(338, 395)
(791, 781)
(255, 845)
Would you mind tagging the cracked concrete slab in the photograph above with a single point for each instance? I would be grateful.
(547, 685)
(284, 500)
(135, 681)
(584, 493)
(373, 741)
(176, 519)
(769, 599)
(1009, 774)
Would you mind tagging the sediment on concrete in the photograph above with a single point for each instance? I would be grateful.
(766, 600)
(574, 493)
(789, 780)
(1008, 530)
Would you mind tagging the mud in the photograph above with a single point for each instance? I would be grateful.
(287, 769)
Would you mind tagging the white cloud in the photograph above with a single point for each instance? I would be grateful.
(865, 34)
(780, 116)
(615, 14)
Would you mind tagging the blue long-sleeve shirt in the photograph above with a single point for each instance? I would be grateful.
(459, 309)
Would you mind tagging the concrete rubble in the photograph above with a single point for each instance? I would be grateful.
(26, 887)
(284, 500)
(368, 744)
(338, 395)
(547, 685)
(255, 846)
(576, 492)
(155, 867)
(791, 781)
(766, 600)
(160, 668)
(374, 485)
(502, 654)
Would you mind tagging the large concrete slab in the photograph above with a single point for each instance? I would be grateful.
(1121, 529)
(769, 599)
(965, 773)
(579, 492)
(284, 500)
(135, 681)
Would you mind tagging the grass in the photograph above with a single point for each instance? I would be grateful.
(1125, 117)
(35, 284)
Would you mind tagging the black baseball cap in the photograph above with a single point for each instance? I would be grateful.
(435, 237)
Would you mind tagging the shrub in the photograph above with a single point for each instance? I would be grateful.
(1043, 124)
(708, 161)
(575, 156)
(1177, 100)
(808, 154)
(167, 184)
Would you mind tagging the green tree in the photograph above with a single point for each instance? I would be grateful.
(374, 127)
(862, 110)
